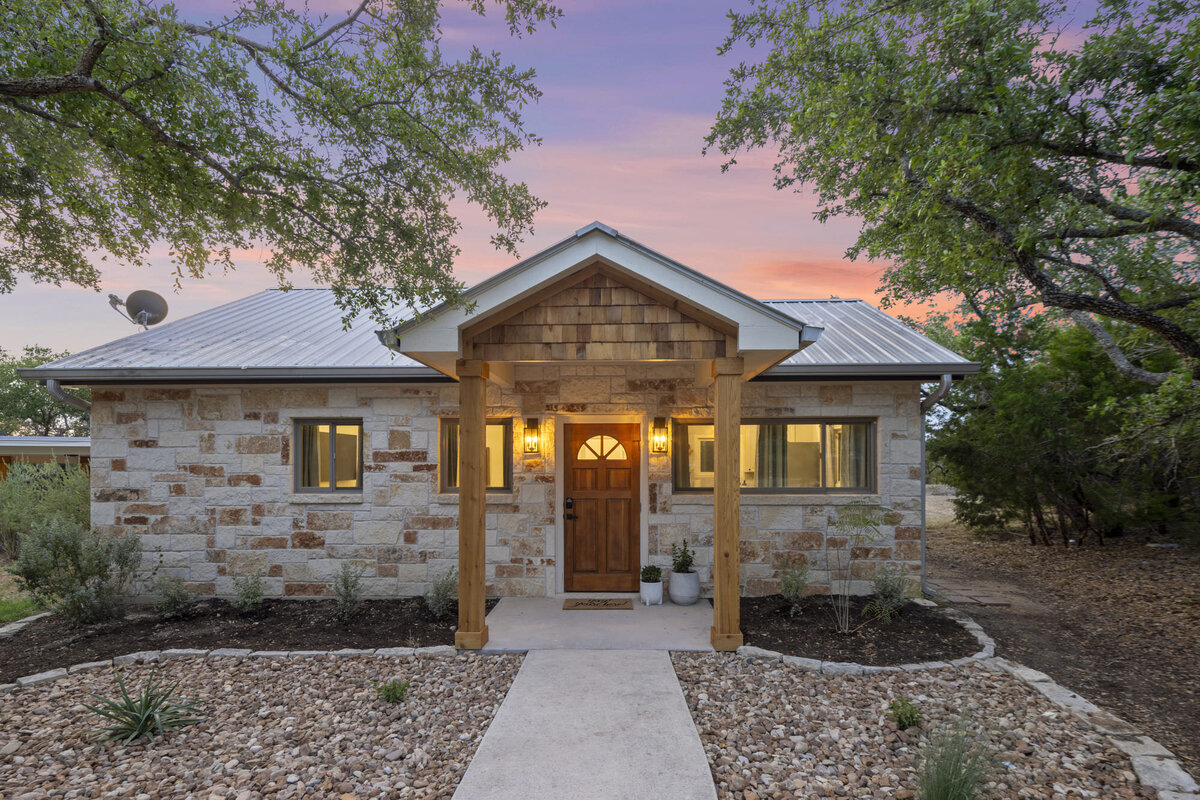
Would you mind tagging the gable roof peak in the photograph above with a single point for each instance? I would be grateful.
(597, 225)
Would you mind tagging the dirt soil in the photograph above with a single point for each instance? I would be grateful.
(50, 643)
(1119, 624)
(917, 634)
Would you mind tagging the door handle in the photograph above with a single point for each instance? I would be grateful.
(569, 515)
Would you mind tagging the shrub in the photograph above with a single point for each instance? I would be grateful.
(347, 585)
(792, 580)
(175, 600)
(681, 557)
(857, 524)
(248, 591)
(76, 571)
(152, 712)
(392, 691)
(891, 593)
(651, 574)
(953, 767)
(442, 597)
(904, 714)
(33, 494)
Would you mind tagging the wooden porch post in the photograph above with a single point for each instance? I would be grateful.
(727, 505)
(472, 633)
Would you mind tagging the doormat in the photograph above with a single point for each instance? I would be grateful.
(597, 604)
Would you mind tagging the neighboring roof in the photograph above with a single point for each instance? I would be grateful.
(297, 335)
(69, 445)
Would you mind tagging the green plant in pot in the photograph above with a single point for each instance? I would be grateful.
(685, 584)
(651, 585)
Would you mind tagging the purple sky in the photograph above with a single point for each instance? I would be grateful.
(630, 89)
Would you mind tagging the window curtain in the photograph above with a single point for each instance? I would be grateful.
(772, 456)
(848, 451)
(310, 455)
(450, 453)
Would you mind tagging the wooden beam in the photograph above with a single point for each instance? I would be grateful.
(472, 633)
(727, 504)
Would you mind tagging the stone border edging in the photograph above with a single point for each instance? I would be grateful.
(986, 644)
(150, 656)
(9, 630)
(1154, 765)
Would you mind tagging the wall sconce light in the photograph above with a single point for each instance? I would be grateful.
(658, 435)
(532, 444)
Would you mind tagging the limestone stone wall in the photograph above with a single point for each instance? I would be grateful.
(205, 474)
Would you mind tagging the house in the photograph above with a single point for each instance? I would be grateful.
(42, 450)
(596, 403)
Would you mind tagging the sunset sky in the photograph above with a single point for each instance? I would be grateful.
(630, 89)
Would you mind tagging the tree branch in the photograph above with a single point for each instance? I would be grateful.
(336, 26)
(1127, 160)
(1117, 356)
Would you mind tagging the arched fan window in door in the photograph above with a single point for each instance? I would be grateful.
(601, 448)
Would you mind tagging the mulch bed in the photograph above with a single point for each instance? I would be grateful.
(917, 634)
(49, 643)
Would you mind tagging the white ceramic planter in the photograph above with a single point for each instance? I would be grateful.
(684, 588)
(652, 593)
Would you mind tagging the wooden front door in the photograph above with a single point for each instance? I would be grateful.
(601, 508)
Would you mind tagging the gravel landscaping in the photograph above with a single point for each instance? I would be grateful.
(273, 727)
(774, 731)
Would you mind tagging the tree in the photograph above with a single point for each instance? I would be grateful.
(993, 159)
(333, 144)
(27, 408)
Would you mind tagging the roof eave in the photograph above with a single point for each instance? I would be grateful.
(90, 377)
(917, 371)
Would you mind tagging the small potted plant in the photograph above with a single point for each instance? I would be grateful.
(685, 584)
(651, 585)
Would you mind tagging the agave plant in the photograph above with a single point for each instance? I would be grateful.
(152, 712)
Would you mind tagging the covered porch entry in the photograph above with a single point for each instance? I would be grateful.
(600, 299)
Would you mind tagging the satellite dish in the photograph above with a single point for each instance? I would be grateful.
(144, 308)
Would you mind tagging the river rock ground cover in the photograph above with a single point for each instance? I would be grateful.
(279, 728)
(774, 731)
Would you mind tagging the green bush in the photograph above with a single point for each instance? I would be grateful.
(442, 597)
(175, 600)
(347, 586)
(77, 572)
(904, 714)
(651, 574)
(152, 712)
(891, 586)
(392, 691)
(952, 767)
(792, 580)
(33, 494)
(248, 591)
(681, 557)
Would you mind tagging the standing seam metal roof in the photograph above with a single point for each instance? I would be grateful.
(298, 333)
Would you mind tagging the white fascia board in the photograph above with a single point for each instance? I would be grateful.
(756, 330)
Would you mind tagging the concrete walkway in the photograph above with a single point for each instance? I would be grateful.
(591, 725)
(539, 623)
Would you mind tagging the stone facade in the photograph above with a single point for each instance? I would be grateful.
(205, 475)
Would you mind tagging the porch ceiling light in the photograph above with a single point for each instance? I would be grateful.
(658, 435)
(532, 443)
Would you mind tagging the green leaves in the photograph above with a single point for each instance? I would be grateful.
(988, 157)
(27, 408)
(152, 712)
(334, 144)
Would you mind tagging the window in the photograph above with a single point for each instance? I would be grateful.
(498, 453)
(783, 455)
(329, 455)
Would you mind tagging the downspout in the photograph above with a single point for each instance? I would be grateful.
(56, 391)
(926, 404)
